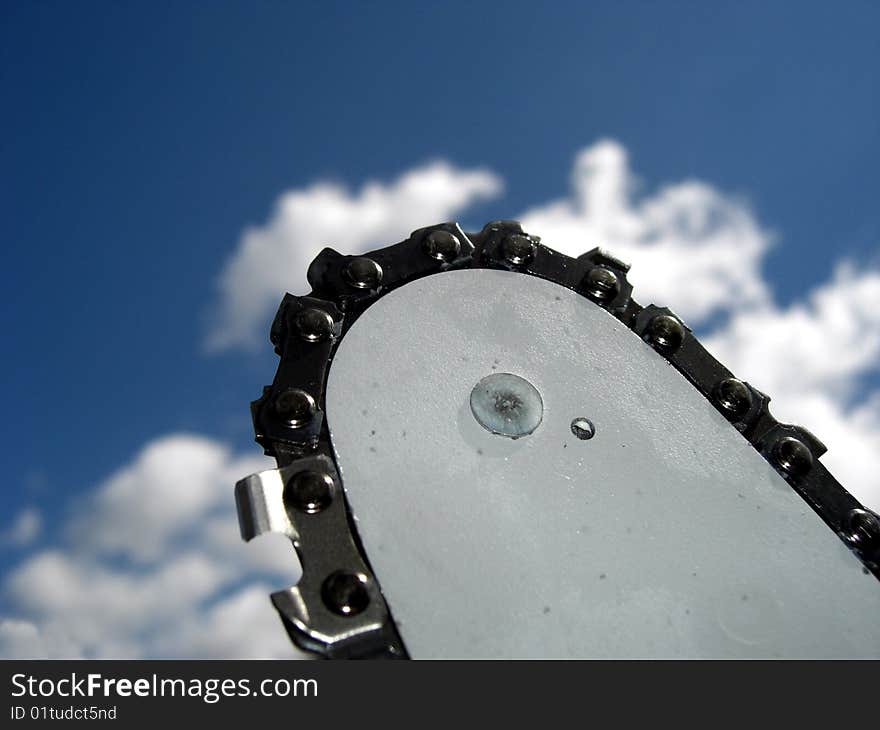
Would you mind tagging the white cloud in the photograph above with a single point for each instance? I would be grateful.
(153, 565)
(272, 259)
(244, 621)
(147, 509)
(24, 530)
(691, 247)
(827, 340)
(21, 638)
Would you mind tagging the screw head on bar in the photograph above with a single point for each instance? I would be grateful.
(507, 405)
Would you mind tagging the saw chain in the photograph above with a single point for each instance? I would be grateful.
(337, 608)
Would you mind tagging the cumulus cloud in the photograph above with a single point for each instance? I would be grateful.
(690, 245)
(153, 566)
(828, 339)
(272, 259)
(125, 518)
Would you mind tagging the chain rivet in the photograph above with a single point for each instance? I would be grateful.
(863, 528)
(442, 245)
(666, 333)
(518, 249)
(314, 325)
(792, 456)
(602, 284)
(295, 407)
(734, 398)
(363, 273)
(345, 592)
(309, 491)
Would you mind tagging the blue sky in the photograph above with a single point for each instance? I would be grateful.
(141, 139)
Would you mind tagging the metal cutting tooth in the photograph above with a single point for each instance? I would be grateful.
(336, 608)
(260, 507)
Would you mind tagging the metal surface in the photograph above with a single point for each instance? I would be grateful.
(665, 535)
(308, 330)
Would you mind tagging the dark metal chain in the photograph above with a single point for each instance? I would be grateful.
(290, 425)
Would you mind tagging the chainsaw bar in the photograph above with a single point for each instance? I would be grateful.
(337, 609)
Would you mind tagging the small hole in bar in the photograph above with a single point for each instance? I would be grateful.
(583, 428)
